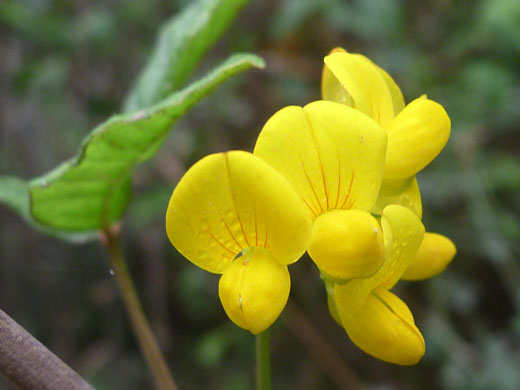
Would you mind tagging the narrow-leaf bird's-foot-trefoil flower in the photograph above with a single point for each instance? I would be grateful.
(376, 320)
(233, 214)
(416, 133)
(333, 155)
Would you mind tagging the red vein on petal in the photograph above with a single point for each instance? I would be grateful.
(310, 184)
(339, 182)
(221, 245)
(350, 203)
(323, 178)
(234, 200)
(230, 233)
(349, 190)
(256, 228)
(313, 212)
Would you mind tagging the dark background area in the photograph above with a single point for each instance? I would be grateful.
(65, 66)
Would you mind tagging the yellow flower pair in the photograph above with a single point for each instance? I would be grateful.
(336, 179)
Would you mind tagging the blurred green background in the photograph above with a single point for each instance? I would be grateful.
(65, 66)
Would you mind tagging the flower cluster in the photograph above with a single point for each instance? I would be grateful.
(335, 178)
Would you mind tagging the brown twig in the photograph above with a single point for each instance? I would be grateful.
(320, 350)
(30, 365)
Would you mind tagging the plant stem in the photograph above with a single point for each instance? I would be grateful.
(160, 371)
(263, 361)
(29, 365)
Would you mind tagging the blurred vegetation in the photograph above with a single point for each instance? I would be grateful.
(68, 65)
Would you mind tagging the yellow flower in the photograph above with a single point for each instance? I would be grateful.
(232, 214)
(333, 156)
(416, 133)
(375, 319)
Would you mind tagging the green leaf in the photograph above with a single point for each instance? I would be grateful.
(91, 190)
(181, 43)
(15, 193)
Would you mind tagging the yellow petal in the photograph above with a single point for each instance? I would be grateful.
(254, 290)
(385, 329)
(403, 233)
(362, 81)
(433, 256)
(332, 154)
(404, 192)
(230, 201)
(347, 244)
(415, 137)
(331, 89)
(395, 91)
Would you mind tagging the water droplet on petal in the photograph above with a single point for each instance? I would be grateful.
(139, 115)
